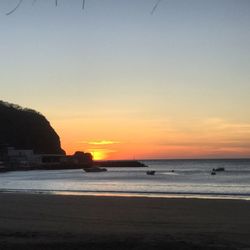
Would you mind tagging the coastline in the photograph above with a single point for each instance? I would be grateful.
(161, 195)
(34, 221)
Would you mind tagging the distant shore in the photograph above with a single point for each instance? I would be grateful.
(29, 221)
(103, 164)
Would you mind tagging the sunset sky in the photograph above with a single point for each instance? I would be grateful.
(115, 80)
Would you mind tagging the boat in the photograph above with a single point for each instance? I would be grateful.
(218, 169)
(95, 169)
(151, 172)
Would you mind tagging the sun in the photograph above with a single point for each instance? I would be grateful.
(98, 155)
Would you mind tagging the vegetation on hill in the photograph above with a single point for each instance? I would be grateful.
(24, 128)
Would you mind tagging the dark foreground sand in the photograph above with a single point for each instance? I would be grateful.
(29, 221)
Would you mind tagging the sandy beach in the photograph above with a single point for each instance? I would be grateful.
(38, 221)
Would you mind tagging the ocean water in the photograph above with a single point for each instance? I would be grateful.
(173, 178)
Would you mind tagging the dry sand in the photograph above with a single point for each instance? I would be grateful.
(32, 221)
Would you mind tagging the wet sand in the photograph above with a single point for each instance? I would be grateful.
(38, 221)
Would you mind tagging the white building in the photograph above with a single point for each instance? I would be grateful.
(26, 157)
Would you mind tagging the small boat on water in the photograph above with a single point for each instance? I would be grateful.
(151, 172)
(95, 169)
(218, 169)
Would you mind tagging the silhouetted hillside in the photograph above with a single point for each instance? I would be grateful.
(27, 129)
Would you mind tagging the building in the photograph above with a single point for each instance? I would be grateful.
(27, 157)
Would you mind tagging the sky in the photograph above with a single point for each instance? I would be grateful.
(115, 80)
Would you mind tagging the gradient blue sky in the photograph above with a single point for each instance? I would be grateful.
(172, 84)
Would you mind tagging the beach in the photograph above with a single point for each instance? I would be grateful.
(43, 221)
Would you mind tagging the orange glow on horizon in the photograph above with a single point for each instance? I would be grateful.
(201, 138)
(142, 151)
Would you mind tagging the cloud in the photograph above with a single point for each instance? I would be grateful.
(221, 124)
(102, 142)
(102, 150)
(210, 133)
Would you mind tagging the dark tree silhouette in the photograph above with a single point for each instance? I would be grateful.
(83, 158)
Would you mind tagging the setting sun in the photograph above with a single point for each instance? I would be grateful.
(98, 155)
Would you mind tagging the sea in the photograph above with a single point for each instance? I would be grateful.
(172, 178)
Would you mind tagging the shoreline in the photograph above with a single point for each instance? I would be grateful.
(33, 221)
(162, 195)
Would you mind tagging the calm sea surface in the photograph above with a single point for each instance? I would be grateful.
(190, 178)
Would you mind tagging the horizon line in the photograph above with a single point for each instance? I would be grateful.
(176, 159)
